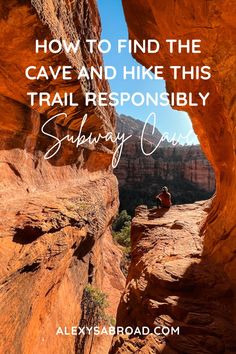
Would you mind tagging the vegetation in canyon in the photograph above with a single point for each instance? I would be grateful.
(93, 305)
(121, 230)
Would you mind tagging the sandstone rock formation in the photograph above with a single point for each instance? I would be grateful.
(183, 264)
(184, 169)
(55, 214)
(170, 284)
(214, 24)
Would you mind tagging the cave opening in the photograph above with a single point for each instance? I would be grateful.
(178, 160)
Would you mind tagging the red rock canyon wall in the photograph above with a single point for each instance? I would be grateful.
(55, 214)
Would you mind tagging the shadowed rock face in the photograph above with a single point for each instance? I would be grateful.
(56, 214)
(214, 23)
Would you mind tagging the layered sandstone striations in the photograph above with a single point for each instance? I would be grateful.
(184, 169)
(55, 214)
(214, 24)
(171, 284)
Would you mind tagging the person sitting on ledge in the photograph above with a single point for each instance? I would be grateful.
(164, 199)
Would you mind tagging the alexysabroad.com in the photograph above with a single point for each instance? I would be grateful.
(119, 330)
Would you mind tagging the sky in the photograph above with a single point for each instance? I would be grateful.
(168, 120)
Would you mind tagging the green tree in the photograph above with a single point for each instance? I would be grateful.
(121, 220)
(123, 236)
(93, 306)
